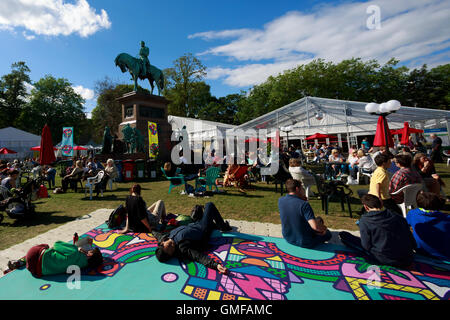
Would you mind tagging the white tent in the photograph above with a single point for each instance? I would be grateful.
(19, 141)
(199, 130)
(311, 115)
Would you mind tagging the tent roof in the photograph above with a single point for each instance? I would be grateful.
(312, 114)
(13, 134)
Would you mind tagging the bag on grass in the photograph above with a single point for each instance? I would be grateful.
(117, 217)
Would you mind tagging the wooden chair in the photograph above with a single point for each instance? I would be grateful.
(238, 177)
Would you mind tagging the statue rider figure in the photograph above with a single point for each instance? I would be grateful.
(143, 54)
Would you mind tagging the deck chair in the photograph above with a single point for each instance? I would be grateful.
(410, 195)
(174, 181)
(92, 182)
(209, 180)
(238, 177)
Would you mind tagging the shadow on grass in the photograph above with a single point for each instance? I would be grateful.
(110, 197)
(239, 194)
(41, 218)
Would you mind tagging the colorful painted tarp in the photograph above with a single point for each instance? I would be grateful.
(261, 268)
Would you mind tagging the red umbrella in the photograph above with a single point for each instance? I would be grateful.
(79, 148)
(406, 131)
(38, 148)
(320, 136)
(6, 151)
(381, 133)
(47, 150)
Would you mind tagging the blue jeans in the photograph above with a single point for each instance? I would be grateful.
(211, 219)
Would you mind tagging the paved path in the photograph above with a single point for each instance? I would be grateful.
(96, 218)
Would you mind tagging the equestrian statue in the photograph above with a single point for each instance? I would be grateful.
(141, 68)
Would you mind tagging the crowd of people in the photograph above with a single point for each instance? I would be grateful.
(386, 236)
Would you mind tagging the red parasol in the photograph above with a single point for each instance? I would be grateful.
(381, 133)
(47, 150)
(38, 148)
(79, 148)
(6, 151)
(320, 136)
(406, 131)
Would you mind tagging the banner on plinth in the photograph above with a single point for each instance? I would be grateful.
(153, 145)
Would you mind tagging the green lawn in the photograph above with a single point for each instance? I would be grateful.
(259, 204)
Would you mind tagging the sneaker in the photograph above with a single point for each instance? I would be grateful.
(16, 264)
(226, 227)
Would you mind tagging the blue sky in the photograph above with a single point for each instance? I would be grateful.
(241, 42)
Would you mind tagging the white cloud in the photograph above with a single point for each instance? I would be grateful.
(411, 30)
(52, 17)
(87, 94)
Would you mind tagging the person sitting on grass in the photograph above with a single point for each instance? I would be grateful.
(298, 224)
(188, 241)
(431, 227)
(137, 214)
(41, 260)
(385, 236)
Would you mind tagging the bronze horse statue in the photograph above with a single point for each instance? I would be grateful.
(127, 62)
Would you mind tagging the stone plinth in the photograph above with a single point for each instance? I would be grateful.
(137, 109)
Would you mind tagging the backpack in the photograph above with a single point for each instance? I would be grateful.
(42, 192)
(197, 213)
(117, 217)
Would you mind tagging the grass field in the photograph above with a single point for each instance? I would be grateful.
(259, 204)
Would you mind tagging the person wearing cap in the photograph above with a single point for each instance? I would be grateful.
(41, 260)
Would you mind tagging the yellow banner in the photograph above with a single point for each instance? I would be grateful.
(153, 145)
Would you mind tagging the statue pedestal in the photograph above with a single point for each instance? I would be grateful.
(138, 108)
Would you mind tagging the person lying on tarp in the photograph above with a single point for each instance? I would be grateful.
(41, 260)
(188, 242)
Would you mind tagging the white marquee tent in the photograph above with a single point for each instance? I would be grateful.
(311, 115)
(19, 141)
(198, 130)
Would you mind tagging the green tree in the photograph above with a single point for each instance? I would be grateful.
(13, 93)
(182, 88)
(53, 102)
(223, 109)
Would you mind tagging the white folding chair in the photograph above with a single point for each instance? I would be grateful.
(92, 181)
(447, 154)
(409, 197)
